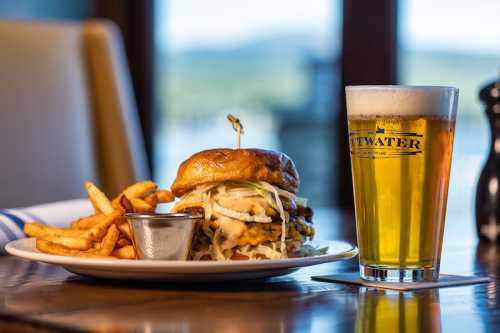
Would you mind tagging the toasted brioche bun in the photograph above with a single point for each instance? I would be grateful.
(219, 165)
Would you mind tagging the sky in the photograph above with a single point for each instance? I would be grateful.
(459, 25)
(463, 25)
(185, 24)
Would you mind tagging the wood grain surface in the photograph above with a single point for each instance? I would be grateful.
(37, 297)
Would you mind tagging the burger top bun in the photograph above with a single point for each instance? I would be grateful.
(218, 165)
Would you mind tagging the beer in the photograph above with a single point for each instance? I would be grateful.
(400, 163)
(400, 187)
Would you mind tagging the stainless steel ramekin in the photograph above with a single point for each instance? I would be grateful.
(162, 236)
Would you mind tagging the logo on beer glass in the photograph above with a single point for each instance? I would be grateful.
(383, 143)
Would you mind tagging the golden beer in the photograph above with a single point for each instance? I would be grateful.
(400, 197)
(400, 167)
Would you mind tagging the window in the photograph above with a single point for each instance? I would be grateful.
(271, 63)
(454, 42)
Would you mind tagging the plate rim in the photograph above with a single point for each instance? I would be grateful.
(12, 248)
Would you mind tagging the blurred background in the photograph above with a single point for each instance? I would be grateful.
(281, 67)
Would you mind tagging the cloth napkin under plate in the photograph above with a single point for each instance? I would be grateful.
(59, 214)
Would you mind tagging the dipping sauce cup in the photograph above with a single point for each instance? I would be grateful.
(162, 236)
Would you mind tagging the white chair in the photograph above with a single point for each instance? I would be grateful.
(67, 112)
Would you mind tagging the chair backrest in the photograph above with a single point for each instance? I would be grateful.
(121, 153)
(67, 112)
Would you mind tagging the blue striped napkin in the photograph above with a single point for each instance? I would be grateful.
(59, 214)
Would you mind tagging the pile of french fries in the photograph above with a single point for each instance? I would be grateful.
(105, 234)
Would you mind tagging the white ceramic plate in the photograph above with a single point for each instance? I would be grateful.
(181, 270)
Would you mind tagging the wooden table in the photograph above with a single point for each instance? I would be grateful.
(43, 298)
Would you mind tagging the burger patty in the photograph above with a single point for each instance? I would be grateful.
(258, 233)
(193, 211)
(306, 212)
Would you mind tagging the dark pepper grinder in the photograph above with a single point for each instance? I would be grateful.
(488, 187)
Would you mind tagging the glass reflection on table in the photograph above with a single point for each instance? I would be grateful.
(393, 311)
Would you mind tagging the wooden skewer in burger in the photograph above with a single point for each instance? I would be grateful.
(248, 200)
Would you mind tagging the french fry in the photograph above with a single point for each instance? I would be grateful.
(105, 234)
(124, 228)
(52, 248)
(137, 190)
(88, 222)
(152, 199)
(126, 252)
(122, 241)
(165, 196)
(125, 204)
(161, 196)
(57, 249)
(76, 243)
(41, 230)
(97, 232)
(141, 206)
(99, 200)
(140, 189)
(109, 241)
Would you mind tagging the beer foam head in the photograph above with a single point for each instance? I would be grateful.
(401, 101)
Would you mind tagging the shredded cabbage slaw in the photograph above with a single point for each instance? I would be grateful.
(208, 193)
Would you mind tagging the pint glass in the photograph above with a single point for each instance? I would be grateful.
(401, 140)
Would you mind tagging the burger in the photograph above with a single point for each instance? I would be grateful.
(249, 203)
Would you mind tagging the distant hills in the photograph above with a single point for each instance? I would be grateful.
(291, 47)
(273, 70)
